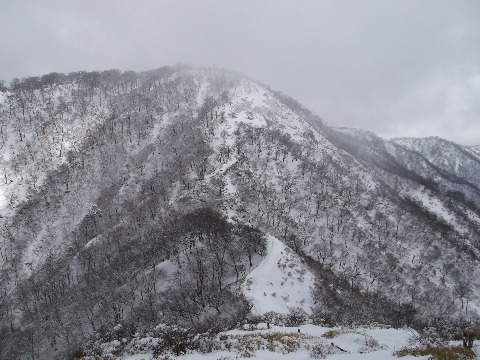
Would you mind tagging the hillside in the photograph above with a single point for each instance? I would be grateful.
(447, 156)
(475, 150)
(154, 198)
(280, 283)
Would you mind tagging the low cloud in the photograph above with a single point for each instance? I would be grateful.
(398, 68)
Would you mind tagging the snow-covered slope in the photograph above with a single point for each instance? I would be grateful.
(448, 156)
(280, 283)
(475, 150)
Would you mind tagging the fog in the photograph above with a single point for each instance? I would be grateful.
(397, 68)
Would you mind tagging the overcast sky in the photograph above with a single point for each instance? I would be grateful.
(397, 68)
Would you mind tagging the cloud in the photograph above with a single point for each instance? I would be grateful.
(392, 67)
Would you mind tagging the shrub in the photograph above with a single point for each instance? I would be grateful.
(430, 338)
(77, 354)
(330, 334)
(475, 331)
(321, 351)
(296, 316)
(439, 353)
(247, 344)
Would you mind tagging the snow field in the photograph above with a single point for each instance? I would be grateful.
(280, 282)
(290, 344)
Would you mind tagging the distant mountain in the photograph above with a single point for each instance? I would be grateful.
(448, 156)
(150, 198)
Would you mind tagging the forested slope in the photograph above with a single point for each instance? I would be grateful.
(145, 198)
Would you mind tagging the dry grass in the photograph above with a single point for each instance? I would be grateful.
(274, 342)
(330, 334)
(475, 331)
(439, 353)
(369, 340)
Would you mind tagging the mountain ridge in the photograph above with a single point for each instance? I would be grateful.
(109, 177)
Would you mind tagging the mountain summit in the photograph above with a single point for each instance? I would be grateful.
(147, 198)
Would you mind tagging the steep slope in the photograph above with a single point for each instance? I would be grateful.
(144, 198)
(474, 150)
(280, 283)
(450, 157)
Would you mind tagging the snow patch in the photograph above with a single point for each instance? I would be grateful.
(280, 282)
(356, 343)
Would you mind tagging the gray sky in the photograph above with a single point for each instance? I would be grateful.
(398, 68)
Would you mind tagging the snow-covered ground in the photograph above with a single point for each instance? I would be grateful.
(346, 343)
(280, 282)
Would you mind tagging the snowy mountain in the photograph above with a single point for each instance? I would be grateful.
(204, 199)
(447, 156)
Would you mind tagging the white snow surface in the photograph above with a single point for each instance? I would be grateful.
(280, 282)
(357, 343)
(434, 205)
